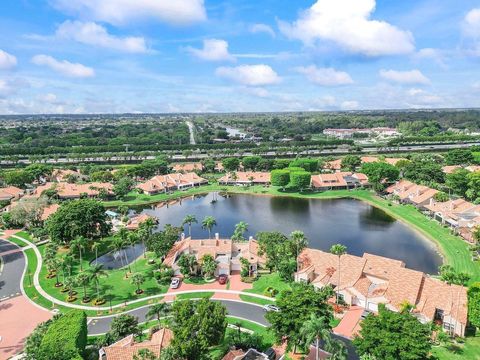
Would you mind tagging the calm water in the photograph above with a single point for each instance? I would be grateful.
(359, 226)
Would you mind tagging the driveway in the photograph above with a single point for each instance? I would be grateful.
(18, 315)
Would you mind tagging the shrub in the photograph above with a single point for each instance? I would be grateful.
(65, 338)
(270, 291)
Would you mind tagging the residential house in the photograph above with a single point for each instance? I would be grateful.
(134, 222)
(448, 212)
(450, 168)
(127, 348)
(245, 178)
(74, 191)
(226, 252)
(409, 192)
(62, 175)
(48, 211)
(10, 193)
(250, 354)
(338, 181)
(335, 165)
(391, 161)
(170, 182)
(188, 167)
(371, 280)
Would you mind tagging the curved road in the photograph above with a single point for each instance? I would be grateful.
(12, 263)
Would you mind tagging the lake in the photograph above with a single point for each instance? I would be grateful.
(353, 223)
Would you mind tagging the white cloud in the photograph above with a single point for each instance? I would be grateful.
(64, 67)
(325, 76)
(7, 61)
(404, 77)
(438, 56)
(10, 86)
(257, 91)
(471, 24)
(251, 75)
(91, 33)
(213, 50)
(262, 28)
(348, 24)
(349, 105)
(418, 98)
(119, 12)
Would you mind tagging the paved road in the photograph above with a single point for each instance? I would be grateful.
(244, 310)
(192, 133)
(11, 270)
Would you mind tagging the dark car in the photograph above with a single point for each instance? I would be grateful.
(222, 279)
(270, 354)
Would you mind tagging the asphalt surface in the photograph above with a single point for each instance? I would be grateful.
(244, 310)
(11, 270)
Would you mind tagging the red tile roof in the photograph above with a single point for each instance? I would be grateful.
(242, 177)
(173, 181)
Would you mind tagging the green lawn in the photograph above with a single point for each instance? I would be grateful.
(470, 350)
(25, 235)
(196, 295)
(17, 241)
(476, 156)
(256, 300)
(268, 280)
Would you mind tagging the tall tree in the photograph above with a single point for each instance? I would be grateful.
(158, 311)
(96, 272)
(189, 219)
(315, 329)
(79, 243)
(339, 250)
(240, 229)
(208, 223)
(300, 242)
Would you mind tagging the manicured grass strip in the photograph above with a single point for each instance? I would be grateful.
(267, 336)
(268, 280)
(255, 300)
(468, 351)
(196, 295)
(25, 235)
(19, 242)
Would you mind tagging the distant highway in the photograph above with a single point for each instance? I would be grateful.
(200, 156)
(191, 128)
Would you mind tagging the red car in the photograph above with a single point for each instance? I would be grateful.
(222, 279)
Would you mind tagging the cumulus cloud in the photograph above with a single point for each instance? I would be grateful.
(119, 12)
(91, 33)
(419, 98)
(262, 28)
(349, 105)
(471, 29)
(64, 67)
(325, 76)
(251, 75)
(213, 50)
(7, 61)
(10, 86)
(404, 77)
(438, 56)
(348, 24)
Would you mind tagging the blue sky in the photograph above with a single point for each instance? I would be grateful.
(77, 56)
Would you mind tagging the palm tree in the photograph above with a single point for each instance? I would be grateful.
(132, 239)
(337, 350)
(83, 279)
(145, 232)
(79, 242)
(138, 279)
(158, 311)
(54, 265)
(209, 265)
(96, 272)
(315, 329)
(70, 283)
(68, 261)
(339, 250)
(94, 247)
(189, 219)
(300, 241)
(208, 223)
(240, 229)
(117, 245)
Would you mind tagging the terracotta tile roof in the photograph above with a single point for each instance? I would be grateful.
(173, 181)
(473, 168)
(61, 175)
(71, 191)
(338, 179)
(333, 165)
(400, 187)
(450, 168)
(424, 194)
(233, 354)
(135, 222)
(187, 167)
(10, 192)
(49, 210)
(435, 294)
(127, 348)
(378, 276)
(370, 159)
(246, 177)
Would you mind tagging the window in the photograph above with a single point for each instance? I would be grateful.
(450, 328)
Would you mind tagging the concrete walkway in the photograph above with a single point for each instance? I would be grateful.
(350, 323)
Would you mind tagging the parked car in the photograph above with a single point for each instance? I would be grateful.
(270, 307)
(222, 279)
(270, 354)
(175, 283)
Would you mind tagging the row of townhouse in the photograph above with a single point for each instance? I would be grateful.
(68, 191)
(451, 168)
(460, 215)
(371, 280)
(336, 165)
(348, 133)
(171, 182)
(226, 252)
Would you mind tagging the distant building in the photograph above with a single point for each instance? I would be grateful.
(187, 167)
(135, 222)
(349, 133)
(74, 191)
(339, 181)
(245, 178)
(170, 182)
(10, 193)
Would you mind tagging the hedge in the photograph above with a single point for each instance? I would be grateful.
(66, 338)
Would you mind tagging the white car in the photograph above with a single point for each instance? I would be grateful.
(175, 283)
(270, 307)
